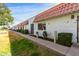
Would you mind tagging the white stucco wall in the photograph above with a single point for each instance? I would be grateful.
(25, 27)
(60, 24)
(30, 21)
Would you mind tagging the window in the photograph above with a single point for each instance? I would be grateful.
(72, 16)
(41, 26)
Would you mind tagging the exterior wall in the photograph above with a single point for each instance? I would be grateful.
(60, 24)
(30, 21)
(25, 27)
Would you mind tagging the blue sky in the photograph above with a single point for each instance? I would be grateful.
(23, 11)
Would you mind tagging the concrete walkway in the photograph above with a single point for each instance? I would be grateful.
(69, 51)
(74, 50)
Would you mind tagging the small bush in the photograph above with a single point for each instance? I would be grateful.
(65, 39)
(45, 34)
(23, 31)
(18, 30)
(33, 35)
(26, 32)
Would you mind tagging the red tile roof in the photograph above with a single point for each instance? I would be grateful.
(22, 23)
(61, 9)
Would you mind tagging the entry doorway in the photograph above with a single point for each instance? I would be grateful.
(77, 29)
(32, 28)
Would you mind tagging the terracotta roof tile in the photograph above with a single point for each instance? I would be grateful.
(61, 9)
(22, 23)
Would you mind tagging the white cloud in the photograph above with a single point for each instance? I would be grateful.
(21, 13)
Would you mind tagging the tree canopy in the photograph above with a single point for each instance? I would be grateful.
(5, 15)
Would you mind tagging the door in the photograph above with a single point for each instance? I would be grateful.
(77, 29)
(32, 28)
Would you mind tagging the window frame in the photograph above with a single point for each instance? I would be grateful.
(41, 26)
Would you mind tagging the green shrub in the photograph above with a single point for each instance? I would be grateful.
(18, 30)
(23, 31)
(65, 39)
(26, 32)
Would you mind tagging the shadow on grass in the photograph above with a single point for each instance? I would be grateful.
(24, 47)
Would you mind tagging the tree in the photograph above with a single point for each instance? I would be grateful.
(5, 17)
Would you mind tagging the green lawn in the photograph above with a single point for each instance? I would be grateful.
(26, 47)
(21, 46)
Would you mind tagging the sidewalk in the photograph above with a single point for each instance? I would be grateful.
(74, 50)
(69, 51)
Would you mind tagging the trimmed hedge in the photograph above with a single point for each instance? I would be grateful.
(26, 32)
(23, 31)
(65, 39)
